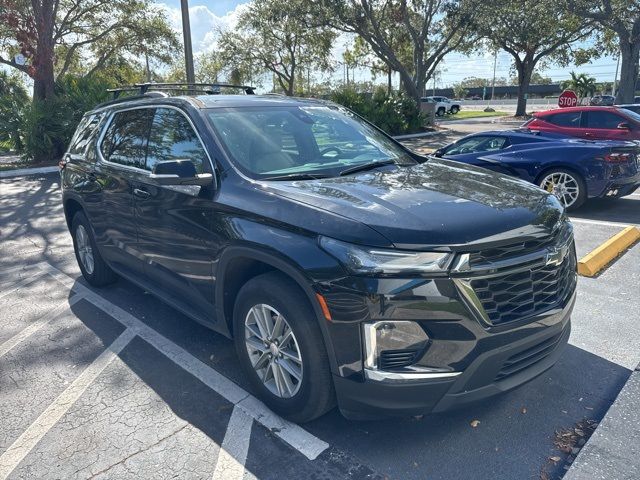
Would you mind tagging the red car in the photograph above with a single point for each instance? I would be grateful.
(593, 123)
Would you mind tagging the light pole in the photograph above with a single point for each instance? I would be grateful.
(493, 83)
(188, 50)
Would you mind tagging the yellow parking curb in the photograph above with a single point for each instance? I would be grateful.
(592, 263)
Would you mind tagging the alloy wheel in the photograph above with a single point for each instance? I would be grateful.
(564, 186)
(85, 252)
(273, 350)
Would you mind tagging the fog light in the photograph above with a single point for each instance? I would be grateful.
(393, 344)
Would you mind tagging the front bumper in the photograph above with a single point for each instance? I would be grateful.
(508, 365)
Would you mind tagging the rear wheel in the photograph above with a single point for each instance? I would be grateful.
(441, 111)
(567, 186)
(281, 349)
(93, 267)
(455, 109)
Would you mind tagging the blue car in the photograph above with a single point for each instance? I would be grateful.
(573, 169)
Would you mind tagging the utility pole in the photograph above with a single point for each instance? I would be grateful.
(493, 84)
(188, 50)
(615, 78)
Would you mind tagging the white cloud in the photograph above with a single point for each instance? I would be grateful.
(204, 24)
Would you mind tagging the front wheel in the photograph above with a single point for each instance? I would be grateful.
(455, 110)
(441, 111)
(568, 187)
(280, 347)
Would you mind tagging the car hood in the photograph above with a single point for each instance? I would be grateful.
(437, 203)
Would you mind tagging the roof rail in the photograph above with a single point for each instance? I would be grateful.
(206, 88)
(118, 99)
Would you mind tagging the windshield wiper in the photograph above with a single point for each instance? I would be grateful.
(365, 166)
(296, 176)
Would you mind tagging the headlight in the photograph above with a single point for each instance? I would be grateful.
(371, 260)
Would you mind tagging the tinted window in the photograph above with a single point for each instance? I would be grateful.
(477, 144)
(84, 133)
(173, 138)
(597, 119)
(275, 141)
(125, 140)
(568, 119)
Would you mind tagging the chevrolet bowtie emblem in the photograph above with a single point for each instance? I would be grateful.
(555, 256)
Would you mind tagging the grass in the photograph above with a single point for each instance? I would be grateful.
(464, 114)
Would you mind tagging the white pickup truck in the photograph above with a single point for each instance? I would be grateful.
(443, 105)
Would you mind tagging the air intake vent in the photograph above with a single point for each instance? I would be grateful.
(391, 359)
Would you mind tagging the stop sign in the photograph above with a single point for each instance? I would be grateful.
(568, 98)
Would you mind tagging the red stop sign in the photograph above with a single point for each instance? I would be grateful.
(568, 98)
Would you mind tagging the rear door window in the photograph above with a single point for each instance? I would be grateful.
(173, 138)
(600, 119)
(477, 144)
(125, 141)
(567, 119)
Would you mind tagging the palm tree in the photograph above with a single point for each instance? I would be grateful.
(583, 85)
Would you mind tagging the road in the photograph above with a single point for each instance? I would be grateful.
(112, 383)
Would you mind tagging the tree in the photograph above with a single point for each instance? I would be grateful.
(477, 82)
(427, 29)
(53, 35)
(459, 91)
(532, 32)
(273, 35)
(13, 101)
(621, 17)
(583, 85)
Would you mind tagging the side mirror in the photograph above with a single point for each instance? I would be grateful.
(439, 152)
(179, 172)
(623, 126)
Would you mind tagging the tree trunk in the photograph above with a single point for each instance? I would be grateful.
(525, 70)
(409, 85)
(630, 53)
(389, 87)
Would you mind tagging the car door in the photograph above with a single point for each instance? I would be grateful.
(603, 125)
(121, 152)
(566, 123)
(176, 236)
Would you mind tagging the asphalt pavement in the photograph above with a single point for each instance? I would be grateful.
(112, 383)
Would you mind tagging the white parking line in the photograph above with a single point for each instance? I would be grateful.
(306, 443)
(600, 222)
(235, 447)
(37, 325)
(54, 412)
(18, 285)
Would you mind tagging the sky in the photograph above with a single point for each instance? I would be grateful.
(208, 15)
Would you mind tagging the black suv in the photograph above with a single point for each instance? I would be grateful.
(345, 267)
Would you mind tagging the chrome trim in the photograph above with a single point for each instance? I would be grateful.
(403, 377)
(470, 298)
(112, 112)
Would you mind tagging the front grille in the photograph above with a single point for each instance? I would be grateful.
(522, 294)
(390, 359)
(513, 250)
(528, 357)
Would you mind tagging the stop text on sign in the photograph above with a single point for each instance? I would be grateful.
(568, 98)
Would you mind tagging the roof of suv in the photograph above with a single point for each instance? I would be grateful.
(216, 101)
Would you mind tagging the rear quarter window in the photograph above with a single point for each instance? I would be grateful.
(86, 130)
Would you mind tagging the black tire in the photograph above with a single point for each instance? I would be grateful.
(582, 186)
(441, 111)
(315, 395)
(454, 110)
(101, 274)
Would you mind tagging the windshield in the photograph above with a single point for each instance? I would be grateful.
(633, 114)
(294, 141)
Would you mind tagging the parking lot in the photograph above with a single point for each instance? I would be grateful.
(112, 383)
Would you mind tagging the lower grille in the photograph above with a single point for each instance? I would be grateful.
(390, 359)
(529, 357)
(522, 294)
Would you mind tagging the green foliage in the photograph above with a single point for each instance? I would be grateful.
(14, 99)
(49, 124)
(583, 85)
(396, 114)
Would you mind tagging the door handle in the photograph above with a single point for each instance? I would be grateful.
(138, 192)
